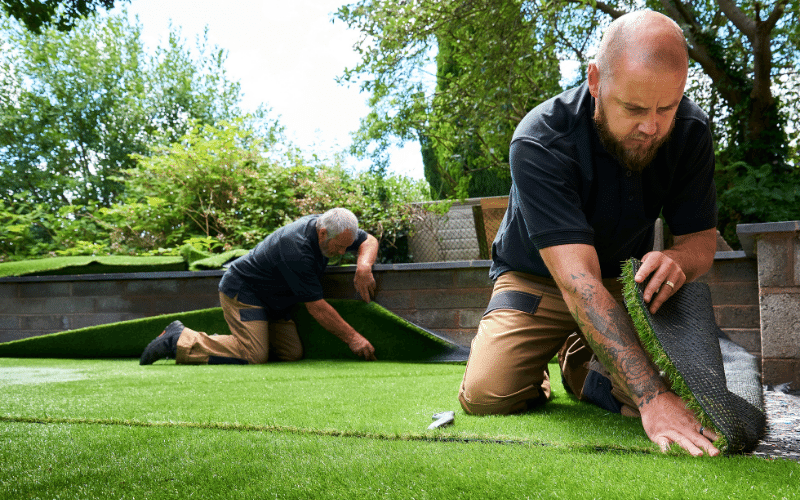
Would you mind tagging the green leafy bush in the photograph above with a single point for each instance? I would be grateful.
(216, 182)
(217, 189)
(31, 229)
(750, 194)
(383, 205)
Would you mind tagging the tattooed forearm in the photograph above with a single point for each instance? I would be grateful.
(610, 333)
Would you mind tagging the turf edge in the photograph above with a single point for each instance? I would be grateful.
(635, 304)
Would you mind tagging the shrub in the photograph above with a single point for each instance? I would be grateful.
(216, 189)
(748, 195)
(217, 182)
(382, 204)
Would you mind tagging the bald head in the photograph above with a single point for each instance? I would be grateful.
(642, 39)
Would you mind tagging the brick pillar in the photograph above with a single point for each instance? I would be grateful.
(777, 249)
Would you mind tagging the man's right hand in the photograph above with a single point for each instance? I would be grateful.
(362, 348)
(666, 420)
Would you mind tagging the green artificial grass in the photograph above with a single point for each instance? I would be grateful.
(215, 261)
(393, 337)
(327, 429)
(91, 265)
(635, 304)
(190, 258)
(115, 340)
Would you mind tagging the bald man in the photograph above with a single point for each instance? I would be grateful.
(259, 289)
(592, 170)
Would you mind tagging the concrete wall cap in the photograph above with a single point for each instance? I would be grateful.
(748, 232)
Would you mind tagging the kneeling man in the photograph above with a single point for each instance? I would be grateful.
(258, 290)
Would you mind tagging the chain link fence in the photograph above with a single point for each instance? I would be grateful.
(465, 232)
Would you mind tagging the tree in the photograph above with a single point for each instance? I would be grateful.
(744, 59)
(36, 14)
(76, 105)
(491, 66)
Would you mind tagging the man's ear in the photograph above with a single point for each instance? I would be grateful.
(323, 234)
(593, 78)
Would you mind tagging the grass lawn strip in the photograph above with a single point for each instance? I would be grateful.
(91, 265)
(284, 430)
(97, 461)
(393, 337)
(386, 399)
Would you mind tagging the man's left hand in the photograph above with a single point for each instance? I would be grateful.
(365, 284)
(667, 278)
(666, 420)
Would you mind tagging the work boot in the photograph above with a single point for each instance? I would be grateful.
(163, 346)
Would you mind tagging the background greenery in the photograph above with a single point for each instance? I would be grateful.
(495, 60)
(107, 148)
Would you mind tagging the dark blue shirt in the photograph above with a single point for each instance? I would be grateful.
(567, 189)
(282, 270)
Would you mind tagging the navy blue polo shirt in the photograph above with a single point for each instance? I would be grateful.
(567, 189)
(282, 270)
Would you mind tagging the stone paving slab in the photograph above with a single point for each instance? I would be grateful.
(782, 439)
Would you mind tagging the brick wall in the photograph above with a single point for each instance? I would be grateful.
(31, 306)
(777, 247)
(733, 281)
(447, 297)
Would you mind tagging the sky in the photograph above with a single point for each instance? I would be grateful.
(285, 54)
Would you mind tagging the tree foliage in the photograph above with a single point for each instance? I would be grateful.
(744, 73)
(456, 76)
(74, 106)
(217, 188)
(60, 14)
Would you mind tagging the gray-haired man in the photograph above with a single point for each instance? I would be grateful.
(259, 288)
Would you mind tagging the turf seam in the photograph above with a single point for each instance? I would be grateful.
(320, 432)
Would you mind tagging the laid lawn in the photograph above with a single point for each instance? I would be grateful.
(326, 429)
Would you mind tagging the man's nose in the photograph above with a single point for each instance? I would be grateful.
(648, 126)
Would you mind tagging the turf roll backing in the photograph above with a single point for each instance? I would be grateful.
(718, 379)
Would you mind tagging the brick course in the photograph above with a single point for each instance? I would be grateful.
(445, 297)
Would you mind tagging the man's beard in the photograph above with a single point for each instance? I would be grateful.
(634, 160)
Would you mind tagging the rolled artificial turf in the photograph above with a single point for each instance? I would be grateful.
(721, 388)
(394, 338)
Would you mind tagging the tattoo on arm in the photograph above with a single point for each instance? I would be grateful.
(609, 331)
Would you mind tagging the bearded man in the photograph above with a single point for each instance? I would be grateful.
(592, 169)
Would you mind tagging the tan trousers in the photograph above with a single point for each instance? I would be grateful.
(507, 367)
(253, 339)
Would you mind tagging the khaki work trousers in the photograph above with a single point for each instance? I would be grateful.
(507, 367)
(252, 340)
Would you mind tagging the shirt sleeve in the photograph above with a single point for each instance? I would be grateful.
(692, 204)
(361, 237)
(548, 189)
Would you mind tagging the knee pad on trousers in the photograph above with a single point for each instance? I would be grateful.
(222, 360)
